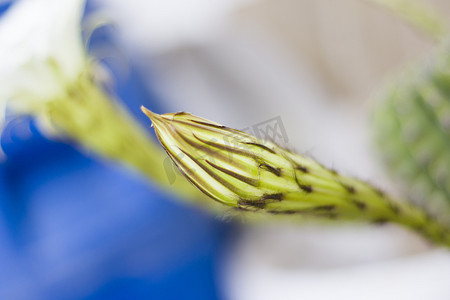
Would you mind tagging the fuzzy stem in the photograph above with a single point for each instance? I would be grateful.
(356, 200)
(326, 194)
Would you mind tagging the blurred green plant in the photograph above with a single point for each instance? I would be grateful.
(412, 119)
(412, 126)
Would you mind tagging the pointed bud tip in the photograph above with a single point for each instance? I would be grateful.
(154, 117)
(148, 112)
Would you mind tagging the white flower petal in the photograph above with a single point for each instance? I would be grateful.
(41, 52)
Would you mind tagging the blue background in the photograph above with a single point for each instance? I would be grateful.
(77, 227)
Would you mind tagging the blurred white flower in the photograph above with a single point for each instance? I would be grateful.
(41, 53)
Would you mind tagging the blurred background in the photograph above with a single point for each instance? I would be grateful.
(73, 226)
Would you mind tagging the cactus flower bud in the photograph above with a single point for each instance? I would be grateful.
(242, 171)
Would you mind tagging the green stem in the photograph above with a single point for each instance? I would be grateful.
(90, 117)
(418, 14)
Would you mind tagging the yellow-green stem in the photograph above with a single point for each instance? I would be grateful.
(91, 118)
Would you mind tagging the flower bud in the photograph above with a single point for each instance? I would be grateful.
(242, 171)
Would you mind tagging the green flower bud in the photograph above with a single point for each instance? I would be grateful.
(242, 171)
